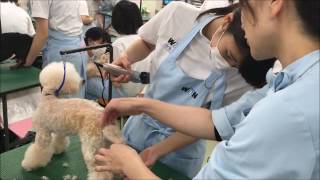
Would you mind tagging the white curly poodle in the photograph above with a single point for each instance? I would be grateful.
(56, 118)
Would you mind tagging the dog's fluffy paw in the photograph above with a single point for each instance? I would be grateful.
(36, 157)
(60, 144)
(100, 176)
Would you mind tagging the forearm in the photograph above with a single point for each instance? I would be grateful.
(138, 50)
(38, 41)
(193, 121)
(174, 142)
(138, 171)
(86, 20)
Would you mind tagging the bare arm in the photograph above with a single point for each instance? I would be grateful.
(38, 41)
(186, 119)
(86, 20)
(139, 50)
(193, 121)
(175, 141)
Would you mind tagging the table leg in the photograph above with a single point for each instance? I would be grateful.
(104, 22)
(5, 122)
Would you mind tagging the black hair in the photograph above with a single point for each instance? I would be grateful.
(254, 72)
(126, 17)
(308, 10)
(95, 34)
(13, 1)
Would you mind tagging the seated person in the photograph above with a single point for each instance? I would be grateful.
(126, 20)
(95, 36)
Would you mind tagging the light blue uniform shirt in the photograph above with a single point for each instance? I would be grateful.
(272, 137)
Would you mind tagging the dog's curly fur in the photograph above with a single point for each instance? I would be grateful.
(56, 118)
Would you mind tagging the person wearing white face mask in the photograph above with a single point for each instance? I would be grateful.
(126, 20)
(269, 133)
(179, 40)
(218, 61)
(96, 36)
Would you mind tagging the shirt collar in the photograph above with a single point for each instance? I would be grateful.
(292, 72)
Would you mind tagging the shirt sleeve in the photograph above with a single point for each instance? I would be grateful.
(118, 48)
(83, 9)
(225, 119)
(31, 30)
(272, 142)
(41, 8)
(150, 30)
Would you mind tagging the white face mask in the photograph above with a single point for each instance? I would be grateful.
(218, 61)
(98, 52)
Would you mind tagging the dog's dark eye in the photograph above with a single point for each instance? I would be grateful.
(83, 81)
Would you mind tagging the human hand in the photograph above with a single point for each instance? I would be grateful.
(123, 62)
(150, 155)
(27, 64)
(116, 159)
(121, 106)
(104, 58)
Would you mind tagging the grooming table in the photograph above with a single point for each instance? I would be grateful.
(11, 165)
(13, 81)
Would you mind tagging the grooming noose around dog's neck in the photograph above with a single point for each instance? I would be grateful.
(63, 80)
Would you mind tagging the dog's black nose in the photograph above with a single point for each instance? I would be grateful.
(83, 81)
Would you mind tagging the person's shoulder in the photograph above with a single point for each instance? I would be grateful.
(127, 39)
(179, 7)
(306, 85)
(179, 17)
(299, 99)
(22, 12)
(180, 4)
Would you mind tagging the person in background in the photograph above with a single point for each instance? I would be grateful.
(25, 4)
(87, 20)
(198, 59)
(96, 36)
(84, 13)
(269, 133)
(126, 20)
(104, 6)
(17, 32)
(58, 27)
(15, 19)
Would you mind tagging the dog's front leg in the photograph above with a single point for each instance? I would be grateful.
(60, 143)
(39, 153)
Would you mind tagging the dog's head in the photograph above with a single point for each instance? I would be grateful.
(51, 78)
